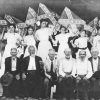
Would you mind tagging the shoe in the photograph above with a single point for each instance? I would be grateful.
(40, 99)
(25, 98)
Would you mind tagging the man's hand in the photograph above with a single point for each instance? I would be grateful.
(23, 76)
(93, 79)
(18, 77)
(78, 79)
(84, 78)
(67, 76)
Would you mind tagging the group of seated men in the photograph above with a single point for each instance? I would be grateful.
(72, 78)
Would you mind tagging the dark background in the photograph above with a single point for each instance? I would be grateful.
(86, 9)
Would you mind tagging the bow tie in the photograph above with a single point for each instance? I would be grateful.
(13, 58)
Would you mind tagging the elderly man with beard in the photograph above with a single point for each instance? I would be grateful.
(66, 83)
(95, 79)
(82, 72)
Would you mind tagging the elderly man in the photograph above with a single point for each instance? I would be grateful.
(66, 82)
(82, 72)
(50, 67)
(32, 74)
(12, 66)
(95, 80)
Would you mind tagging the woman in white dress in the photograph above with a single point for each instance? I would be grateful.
(42, 35)
(96, 41)
(29, 40)
(81, 44)
(63, 42)
(20, 48)
(12, 39)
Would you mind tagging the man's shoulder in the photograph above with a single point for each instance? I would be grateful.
(90, 58)
(38, 30)
(25, 58)
(38, 57)
(7, 58)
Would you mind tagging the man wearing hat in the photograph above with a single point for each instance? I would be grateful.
(82, 71)
(11, 78)
(95, 79)
(66, 82)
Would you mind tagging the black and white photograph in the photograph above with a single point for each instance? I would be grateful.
(49, 49)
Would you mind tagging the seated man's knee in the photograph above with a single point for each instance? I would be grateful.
(60, 79)
(46, 81)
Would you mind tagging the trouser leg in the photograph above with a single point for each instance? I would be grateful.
(47, 87)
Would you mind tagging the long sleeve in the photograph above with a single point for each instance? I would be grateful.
(47, 75)
(2, 70)
(74, 71)
(90, 73)
(36, 35)
(95, 42)
(61, 70)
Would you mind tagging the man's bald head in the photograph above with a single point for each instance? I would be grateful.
(82, 54)
(51, 54)
(94, 52)
(31, 50)
(13, 51)
(67, 52)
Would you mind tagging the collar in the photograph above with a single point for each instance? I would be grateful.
(49, 59)
(95, 59)
(14, 58)
(33, 56)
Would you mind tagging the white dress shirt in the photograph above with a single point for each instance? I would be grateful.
(47, 66)
(32, 65)
(81, 42)
(65, 66)
(95, 65)
(82, 68)
(14, 62)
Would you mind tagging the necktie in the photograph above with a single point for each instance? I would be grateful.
(51, 66)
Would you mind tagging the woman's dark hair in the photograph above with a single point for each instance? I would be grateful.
(12, 25)
(81, 28)
(29, 27)
(45, 20)
(63, 27)
(88, 33)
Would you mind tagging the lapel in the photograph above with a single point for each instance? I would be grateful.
(98, 63)
(10, 64)
(90, 59)
(27, 62)
(36, 62)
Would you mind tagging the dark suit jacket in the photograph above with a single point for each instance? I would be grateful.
(8, 65)
(96, 74)
(25, 63)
